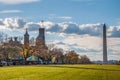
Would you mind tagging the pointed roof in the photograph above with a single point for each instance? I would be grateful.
(11, 40)
(26, 34)
(42, 21)
(104, 25)
(32, 58)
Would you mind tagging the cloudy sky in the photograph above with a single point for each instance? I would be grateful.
(70, 24)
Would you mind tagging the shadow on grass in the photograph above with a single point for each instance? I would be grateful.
(83, 68)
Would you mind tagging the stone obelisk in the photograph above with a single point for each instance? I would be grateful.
(104, 45)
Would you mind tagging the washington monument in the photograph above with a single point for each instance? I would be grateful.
(104, 45)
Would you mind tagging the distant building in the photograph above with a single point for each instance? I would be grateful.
(39, 43)
(26, 39)
(40, 40)
(12, 42)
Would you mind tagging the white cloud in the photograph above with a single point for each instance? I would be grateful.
(114, 31)
(114, 45)
(64, 27)
(65, 17)
(82, 26)
(86, 42)
(3, 28)
(10, 11)
(55, 16)
(90, 46)
(32, 26)
(17, 1)
(47, 24)
(12, 23)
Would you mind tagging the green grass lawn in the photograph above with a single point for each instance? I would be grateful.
(61, 72)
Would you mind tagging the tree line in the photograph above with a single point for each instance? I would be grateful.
(54, 56)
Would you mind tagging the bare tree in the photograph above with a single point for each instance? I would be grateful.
(84, 60)
(3, 37)
(71, 57)
(9, 52)
(57, 55)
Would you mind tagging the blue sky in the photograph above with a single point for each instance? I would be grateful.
(81, 11)
(70, 24)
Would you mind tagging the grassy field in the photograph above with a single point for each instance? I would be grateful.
(61, 72)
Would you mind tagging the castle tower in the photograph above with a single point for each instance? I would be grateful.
(15, 39)
(40, 40)
(11, 40)
(104, 45)
(26, 39)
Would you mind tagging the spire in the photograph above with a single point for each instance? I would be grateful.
(26, 33)
(11, 40)
(42, 24)
(104, 45)
(26, 39)
(104, 25)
